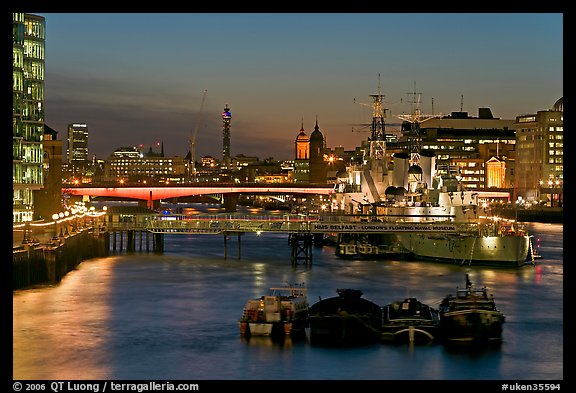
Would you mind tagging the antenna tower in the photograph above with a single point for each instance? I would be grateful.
(377, 137)
(415, 119)
(226, 118)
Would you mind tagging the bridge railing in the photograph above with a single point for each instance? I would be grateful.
(219, 224)
(214, 224)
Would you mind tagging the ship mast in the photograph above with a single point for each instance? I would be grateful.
(377, 138)
(377, 134)
(415, 119)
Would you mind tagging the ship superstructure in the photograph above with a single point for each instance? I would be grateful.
(415, 189)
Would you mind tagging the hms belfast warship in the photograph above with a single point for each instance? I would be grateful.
(416, 190)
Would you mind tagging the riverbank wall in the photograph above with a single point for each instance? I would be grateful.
(47, 262)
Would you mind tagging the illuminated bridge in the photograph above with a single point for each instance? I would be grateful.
(229, 192)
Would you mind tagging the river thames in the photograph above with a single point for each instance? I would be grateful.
(174, 316)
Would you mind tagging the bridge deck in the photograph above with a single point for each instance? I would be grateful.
(182, 224)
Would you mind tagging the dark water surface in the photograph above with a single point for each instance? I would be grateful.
(174, 316)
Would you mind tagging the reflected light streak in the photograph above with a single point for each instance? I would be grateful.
(66, 326)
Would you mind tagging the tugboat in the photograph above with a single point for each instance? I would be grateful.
(470, 316)
(410, 321)
(282, 313)
(345, 320)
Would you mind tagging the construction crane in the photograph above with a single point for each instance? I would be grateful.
(193, 137)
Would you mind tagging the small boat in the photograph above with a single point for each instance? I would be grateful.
(410, 321)
(470, 316)
(282, 313)
(346, 250)
(344, 320)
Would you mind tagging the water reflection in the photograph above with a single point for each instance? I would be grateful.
(175, 316)
(63, 329)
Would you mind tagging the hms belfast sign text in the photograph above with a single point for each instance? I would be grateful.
(382, 227)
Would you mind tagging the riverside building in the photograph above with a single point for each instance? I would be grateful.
(540, 156)
(130, 165)
(28, 44)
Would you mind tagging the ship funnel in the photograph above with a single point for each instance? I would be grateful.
(401, 165)
(428, 165)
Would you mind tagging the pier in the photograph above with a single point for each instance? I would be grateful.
(144, 231)
(303, 231)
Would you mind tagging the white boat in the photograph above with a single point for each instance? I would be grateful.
(469, 248)
(346, 250)
(482, 238)
(282, 313)
(367, 249)
(416, 190)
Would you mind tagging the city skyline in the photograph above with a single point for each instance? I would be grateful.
(138, 79)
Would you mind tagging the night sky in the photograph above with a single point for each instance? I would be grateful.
(138, 78)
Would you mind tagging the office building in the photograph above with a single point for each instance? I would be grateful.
(467, 142)
(130, 165)
(540, 156)
(77, 150)
(28, 44)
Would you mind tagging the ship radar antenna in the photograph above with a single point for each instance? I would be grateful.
(415, 119)
(377, 127)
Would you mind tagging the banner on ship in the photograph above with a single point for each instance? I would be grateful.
(382, 227)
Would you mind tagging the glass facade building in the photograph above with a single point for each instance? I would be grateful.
(540, 155)
(77, 151)
(28, 44)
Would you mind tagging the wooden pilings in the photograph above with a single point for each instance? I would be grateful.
(226, 237)
(301, 247)
(136, 237)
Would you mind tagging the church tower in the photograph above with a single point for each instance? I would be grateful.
(318, 166)
(302, 157)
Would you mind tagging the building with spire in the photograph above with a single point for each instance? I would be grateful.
(28, 58)
(301, 173)
(317, 164)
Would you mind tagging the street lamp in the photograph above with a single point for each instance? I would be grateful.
(27, 237)
(66, 214)
(92, 209)
(55, 217)
(104, 217)
(73, 218)
(61, 215)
